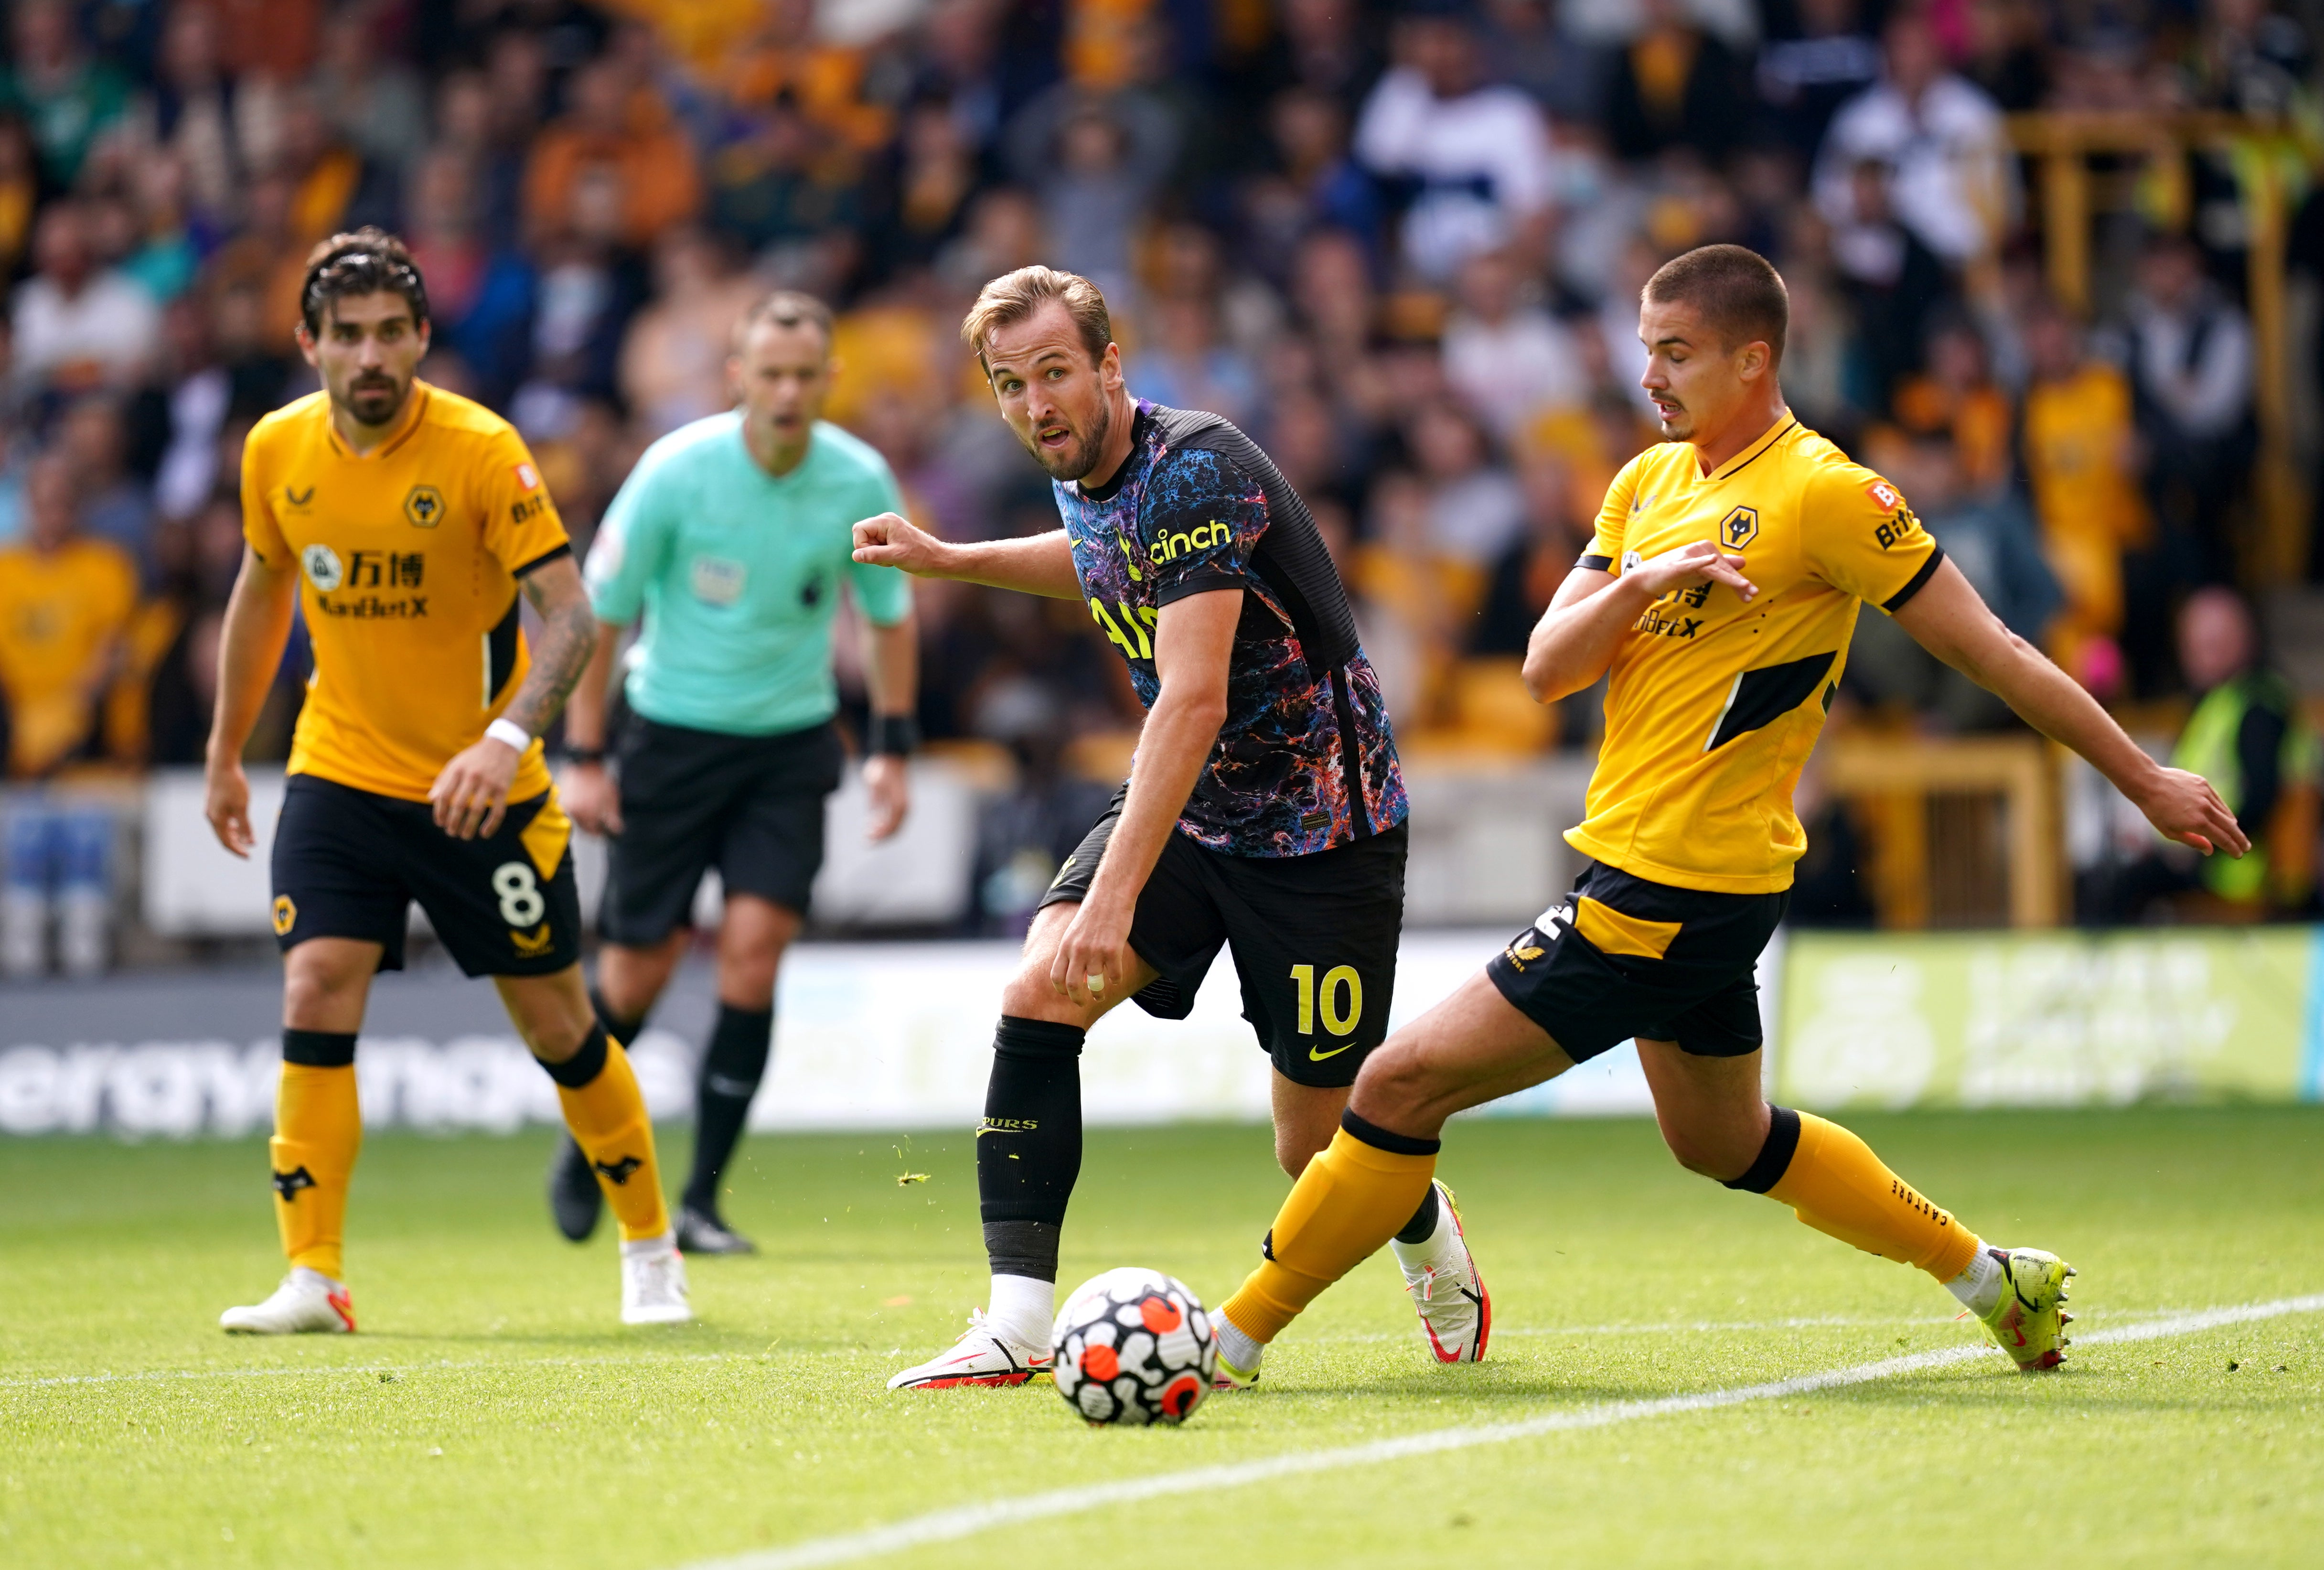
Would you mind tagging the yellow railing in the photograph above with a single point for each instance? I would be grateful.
(2264, 153)
(1899, 780)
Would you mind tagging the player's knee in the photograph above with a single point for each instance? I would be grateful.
(1296, 1147)
(1022, 995)
(1395, 1078)
(1695, 1158)
(1029, 996)
(553, 1040)
(631, 980)
(314, 991)
(553, 1018)
(306, 998)
(1716, 1153)
(747, 971)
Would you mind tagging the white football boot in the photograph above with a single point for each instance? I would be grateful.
(307, 1301)
(980, 1357)
(1456, 1312)
(653, 1286)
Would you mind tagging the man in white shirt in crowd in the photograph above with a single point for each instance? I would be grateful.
(76, 327)
(1477, 158)
(1505, 356)
(1952, 180)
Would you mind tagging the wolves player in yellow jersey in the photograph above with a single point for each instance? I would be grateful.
(406, 521)
(1719, 594)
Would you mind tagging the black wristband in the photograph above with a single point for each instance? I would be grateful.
(584, 754)
(895, 735)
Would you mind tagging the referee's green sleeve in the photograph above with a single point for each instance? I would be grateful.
(625, 553)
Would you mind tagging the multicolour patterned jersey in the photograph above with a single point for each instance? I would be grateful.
(1305, 760)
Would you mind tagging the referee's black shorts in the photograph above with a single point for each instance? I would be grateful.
(749, 806)
(1620, 957)
(348, 864)
(1314, 938)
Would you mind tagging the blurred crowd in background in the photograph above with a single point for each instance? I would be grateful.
(1400, 244)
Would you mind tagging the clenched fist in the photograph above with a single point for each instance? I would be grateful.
(888, 540)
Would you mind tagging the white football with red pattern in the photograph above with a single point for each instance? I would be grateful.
(1134, 1347)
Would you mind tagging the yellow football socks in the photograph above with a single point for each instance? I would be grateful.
(318, 1130)
(1350, 1200)
(607, 1114)
(1836, 1185)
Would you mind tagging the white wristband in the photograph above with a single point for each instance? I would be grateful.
(509, 732)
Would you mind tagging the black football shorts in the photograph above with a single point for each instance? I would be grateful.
(348, 864)
(1314, 938)
(1620, 957)
(749, 806)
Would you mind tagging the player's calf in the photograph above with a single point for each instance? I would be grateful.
(1834, 1182)
(1029, 1156)
(1359, 1192)
(575, 1200)
(606, 1115)
(728, 1080)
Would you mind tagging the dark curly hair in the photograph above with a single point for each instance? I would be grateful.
(367, 262)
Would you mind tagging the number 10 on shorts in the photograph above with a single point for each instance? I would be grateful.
(1341, 995)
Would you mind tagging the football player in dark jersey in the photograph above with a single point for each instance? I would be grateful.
(1264, 813)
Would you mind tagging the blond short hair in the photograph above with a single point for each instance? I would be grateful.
(1013, 297)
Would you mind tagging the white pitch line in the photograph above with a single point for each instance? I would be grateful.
(1686, 1328)
(1674, 1327)
(950, 1525)
(364, 1368)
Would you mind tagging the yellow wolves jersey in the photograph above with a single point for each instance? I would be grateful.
(407, 560)
(1714, 705)
(57, 613)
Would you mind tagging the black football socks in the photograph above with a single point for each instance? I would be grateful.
(732, 1067)
(1422, 1225)
(1029, 1148)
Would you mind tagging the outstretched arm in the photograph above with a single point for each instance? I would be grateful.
(1039, 564)
(1950, 622)
(470, 795)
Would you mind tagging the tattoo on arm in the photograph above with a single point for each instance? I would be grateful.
(567, 639)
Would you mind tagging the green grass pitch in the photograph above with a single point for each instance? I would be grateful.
(494, 1412)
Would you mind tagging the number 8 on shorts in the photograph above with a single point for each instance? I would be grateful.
(522, 902)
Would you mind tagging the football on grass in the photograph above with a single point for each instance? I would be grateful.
(1134, 1347)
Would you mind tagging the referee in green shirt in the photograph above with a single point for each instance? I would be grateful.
(733, 536)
